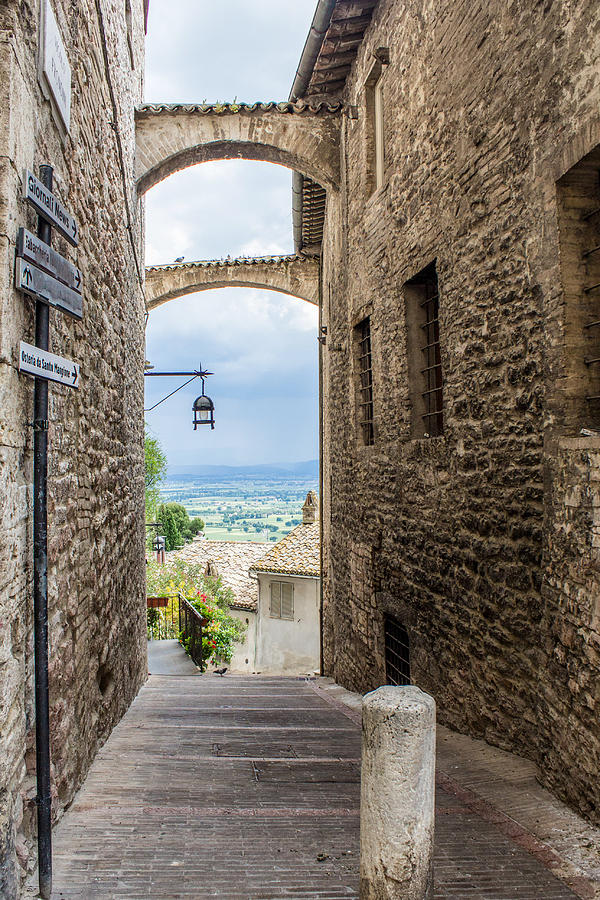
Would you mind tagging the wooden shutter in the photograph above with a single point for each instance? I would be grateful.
(276, 599)
(287, 600)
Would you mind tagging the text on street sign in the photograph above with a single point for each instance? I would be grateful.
(42, 364)
(55, 66)
(34, 250)
(38, 284)
(49, 207)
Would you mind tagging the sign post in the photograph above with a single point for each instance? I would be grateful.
(40, 580)
(51, 280)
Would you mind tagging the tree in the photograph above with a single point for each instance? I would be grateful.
(155, 464)
(177, 525)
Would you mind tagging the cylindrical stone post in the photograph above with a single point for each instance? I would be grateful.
(397, 794)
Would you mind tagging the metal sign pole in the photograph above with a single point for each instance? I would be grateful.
(40, 583)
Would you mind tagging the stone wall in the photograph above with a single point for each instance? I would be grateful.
(486, 107)
(570, 689)
(96, 540)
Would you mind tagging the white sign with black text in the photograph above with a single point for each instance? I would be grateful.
(43, 364)
(54, 64)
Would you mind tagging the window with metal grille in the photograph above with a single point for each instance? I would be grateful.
(397, 652)
(282, 600)
(424, 353)
(365, 381)
(578, 194)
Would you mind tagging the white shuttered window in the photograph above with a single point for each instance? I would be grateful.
(282, 600)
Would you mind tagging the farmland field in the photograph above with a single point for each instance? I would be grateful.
(256, 507)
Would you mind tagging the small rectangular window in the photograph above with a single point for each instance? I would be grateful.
(375, 129)
(397, 652)
(282, 600)
(424, 353)
(365, 381)
(379, 132)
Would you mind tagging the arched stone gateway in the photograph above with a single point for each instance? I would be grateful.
(294, 275)
(302, 136)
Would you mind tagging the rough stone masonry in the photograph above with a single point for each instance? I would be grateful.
(482, 541)
(96, 561)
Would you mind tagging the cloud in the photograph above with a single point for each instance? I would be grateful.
(220, 51)
(261, 345)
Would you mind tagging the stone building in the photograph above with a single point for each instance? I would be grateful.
(461, 330)
(446, 161)
(96, 539)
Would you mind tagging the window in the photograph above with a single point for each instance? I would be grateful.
(579, 223)
(365, 381)
(397, 652)
(424, 353)
(378, 132)
(282, 600)
(374, 97)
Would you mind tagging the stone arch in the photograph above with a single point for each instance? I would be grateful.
(301, 136)
(297, 276)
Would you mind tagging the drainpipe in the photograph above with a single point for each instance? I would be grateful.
(40, 584)
(321, 478)
(312, 47)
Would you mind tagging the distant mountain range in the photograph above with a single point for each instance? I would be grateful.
(308, 469)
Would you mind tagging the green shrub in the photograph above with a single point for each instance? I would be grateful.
(208, 596)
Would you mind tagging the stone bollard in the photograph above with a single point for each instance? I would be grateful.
(397, 794)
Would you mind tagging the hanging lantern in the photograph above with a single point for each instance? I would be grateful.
(204, 410)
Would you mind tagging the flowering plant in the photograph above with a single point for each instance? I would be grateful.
(208, 595)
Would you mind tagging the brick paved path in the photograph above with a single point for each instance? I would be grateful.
(247, 789)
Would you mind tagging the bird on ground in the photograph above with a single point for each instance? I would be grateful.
(180, 259)
(220, 672)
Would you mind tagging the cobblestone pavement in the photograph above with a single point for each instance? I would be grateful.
(247, 788)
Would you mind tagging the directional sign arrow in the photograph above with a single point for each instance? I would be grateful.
(38, 253)
(38, 284)
(49, 366)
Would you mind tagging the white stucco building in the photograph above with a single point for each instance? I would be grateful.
(288, 627)
(277, 596)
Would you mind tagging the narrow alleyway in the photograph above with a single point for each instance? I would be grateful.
(245, 788)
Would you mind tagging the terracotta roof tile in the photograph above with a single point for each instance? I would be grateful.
(232, 560)
(298, 553)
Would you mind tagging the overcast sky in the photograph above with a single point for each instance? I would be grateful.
(261, 345)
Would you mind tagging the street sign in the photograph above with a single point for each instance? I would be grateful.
(34, 250)
(49, 207)
(42, 364)
(55, 64)
(38, 284)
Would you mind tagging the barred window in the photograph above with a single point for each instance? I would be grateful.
(282, 600)
(397, 652)
(365, 381)
(424, 353)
